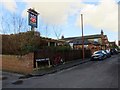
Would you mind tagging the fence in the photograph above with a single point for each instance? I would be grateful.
(27, 63)
(56, 57)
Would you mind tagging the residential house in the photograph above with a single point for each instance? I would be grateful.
(119, 44)
(113, 44)
(92, 42)
(53, 42)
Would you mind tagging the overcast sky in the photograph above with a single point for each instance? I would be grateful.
(65, 15)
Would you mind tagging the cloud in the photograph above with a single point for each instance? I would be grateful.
(56, 12)
(9, 5)
(52, 1)
(101, 16)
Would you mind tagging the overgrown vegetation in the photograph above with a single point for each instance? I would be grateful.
(22, 43)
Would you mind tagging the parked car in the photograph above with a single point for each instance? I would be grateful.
(118, 50)
(107, 53)
(99, 55)
(114, 51)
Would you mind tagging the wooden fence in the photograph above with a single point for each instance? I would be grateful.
(55, 57)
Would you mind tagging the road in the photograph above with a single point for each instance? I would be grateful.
(93, 74)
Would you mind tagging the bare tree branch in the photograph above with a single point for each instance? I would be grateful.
(46, 28)
(57, 31)
(2, 28)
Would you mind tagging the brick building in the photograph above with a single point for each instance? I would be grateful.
(119, 44)
(93, 42)
(114, 44)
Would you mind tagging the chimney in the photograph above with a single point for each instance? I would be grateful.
(102, 32)
(62, 37)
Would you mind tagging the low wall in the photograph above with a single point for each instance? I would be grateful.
(20, 64)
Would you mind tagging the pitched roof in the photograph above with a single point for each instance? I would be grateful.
(85, 37)
(86, 42)
(79, 42)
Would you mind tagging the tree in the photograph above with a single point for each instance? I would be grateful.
(13, 23)
(46, 29)
(57, 31)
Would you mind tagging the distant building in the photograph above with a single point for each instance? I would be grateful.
(112, 44)
(119, 44)
(93, 42)
(53, 42)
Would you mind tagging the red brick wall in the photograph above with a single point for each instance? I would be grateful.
(93, 48)
(0, 62)
(21, 64)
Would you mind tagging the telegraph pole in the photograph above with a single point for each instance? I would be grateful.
(82, 37)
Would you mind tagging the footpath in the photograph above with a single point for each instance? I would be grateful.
(43, 72)
(58, 68)
(14, 78)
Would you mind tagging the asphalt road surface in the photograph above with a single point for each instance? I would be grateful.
(93, 74)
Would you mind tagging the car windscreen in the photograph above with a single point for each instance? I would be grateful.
(97, 52)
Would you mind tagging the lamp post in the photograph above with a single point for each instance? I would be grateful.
(82, 37)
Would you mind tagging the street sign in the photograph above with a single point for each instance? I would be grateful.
(43, 59)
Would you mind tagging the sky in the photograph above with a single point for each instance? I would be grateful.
(64, 17)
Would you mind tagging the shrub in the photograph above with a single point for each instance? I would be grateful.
(21, 43)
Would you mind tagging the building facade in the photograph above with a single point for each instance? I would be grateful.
(92, 42)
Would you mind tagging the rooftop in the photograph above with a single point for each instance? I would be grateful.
(85, 37)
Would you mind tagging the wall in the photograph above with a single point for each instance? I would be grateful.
(100, 40)
(0, 62)
(20, 64)
(93, 48)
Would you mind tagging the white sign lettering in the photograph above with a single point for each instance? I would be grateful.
(43, 59)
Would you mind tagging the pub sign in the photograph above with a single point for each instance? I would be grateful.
(32, 18)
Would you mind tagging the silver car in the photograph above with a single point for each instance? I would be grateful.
(99, 55)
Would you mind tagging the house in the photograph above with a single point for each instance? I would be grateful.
(53, 42)
(93, 42)
(119, 44)
(113, 44)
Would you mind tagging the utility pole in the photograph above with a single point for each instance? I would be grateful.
(82, 37)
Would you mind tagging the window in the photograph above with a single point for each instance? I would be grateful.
(96, 40)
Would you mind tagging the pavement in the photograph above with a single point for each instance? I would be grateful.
(58, 68)
(7, 77)
(19, 80)
(73, 74)
(14, 78)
